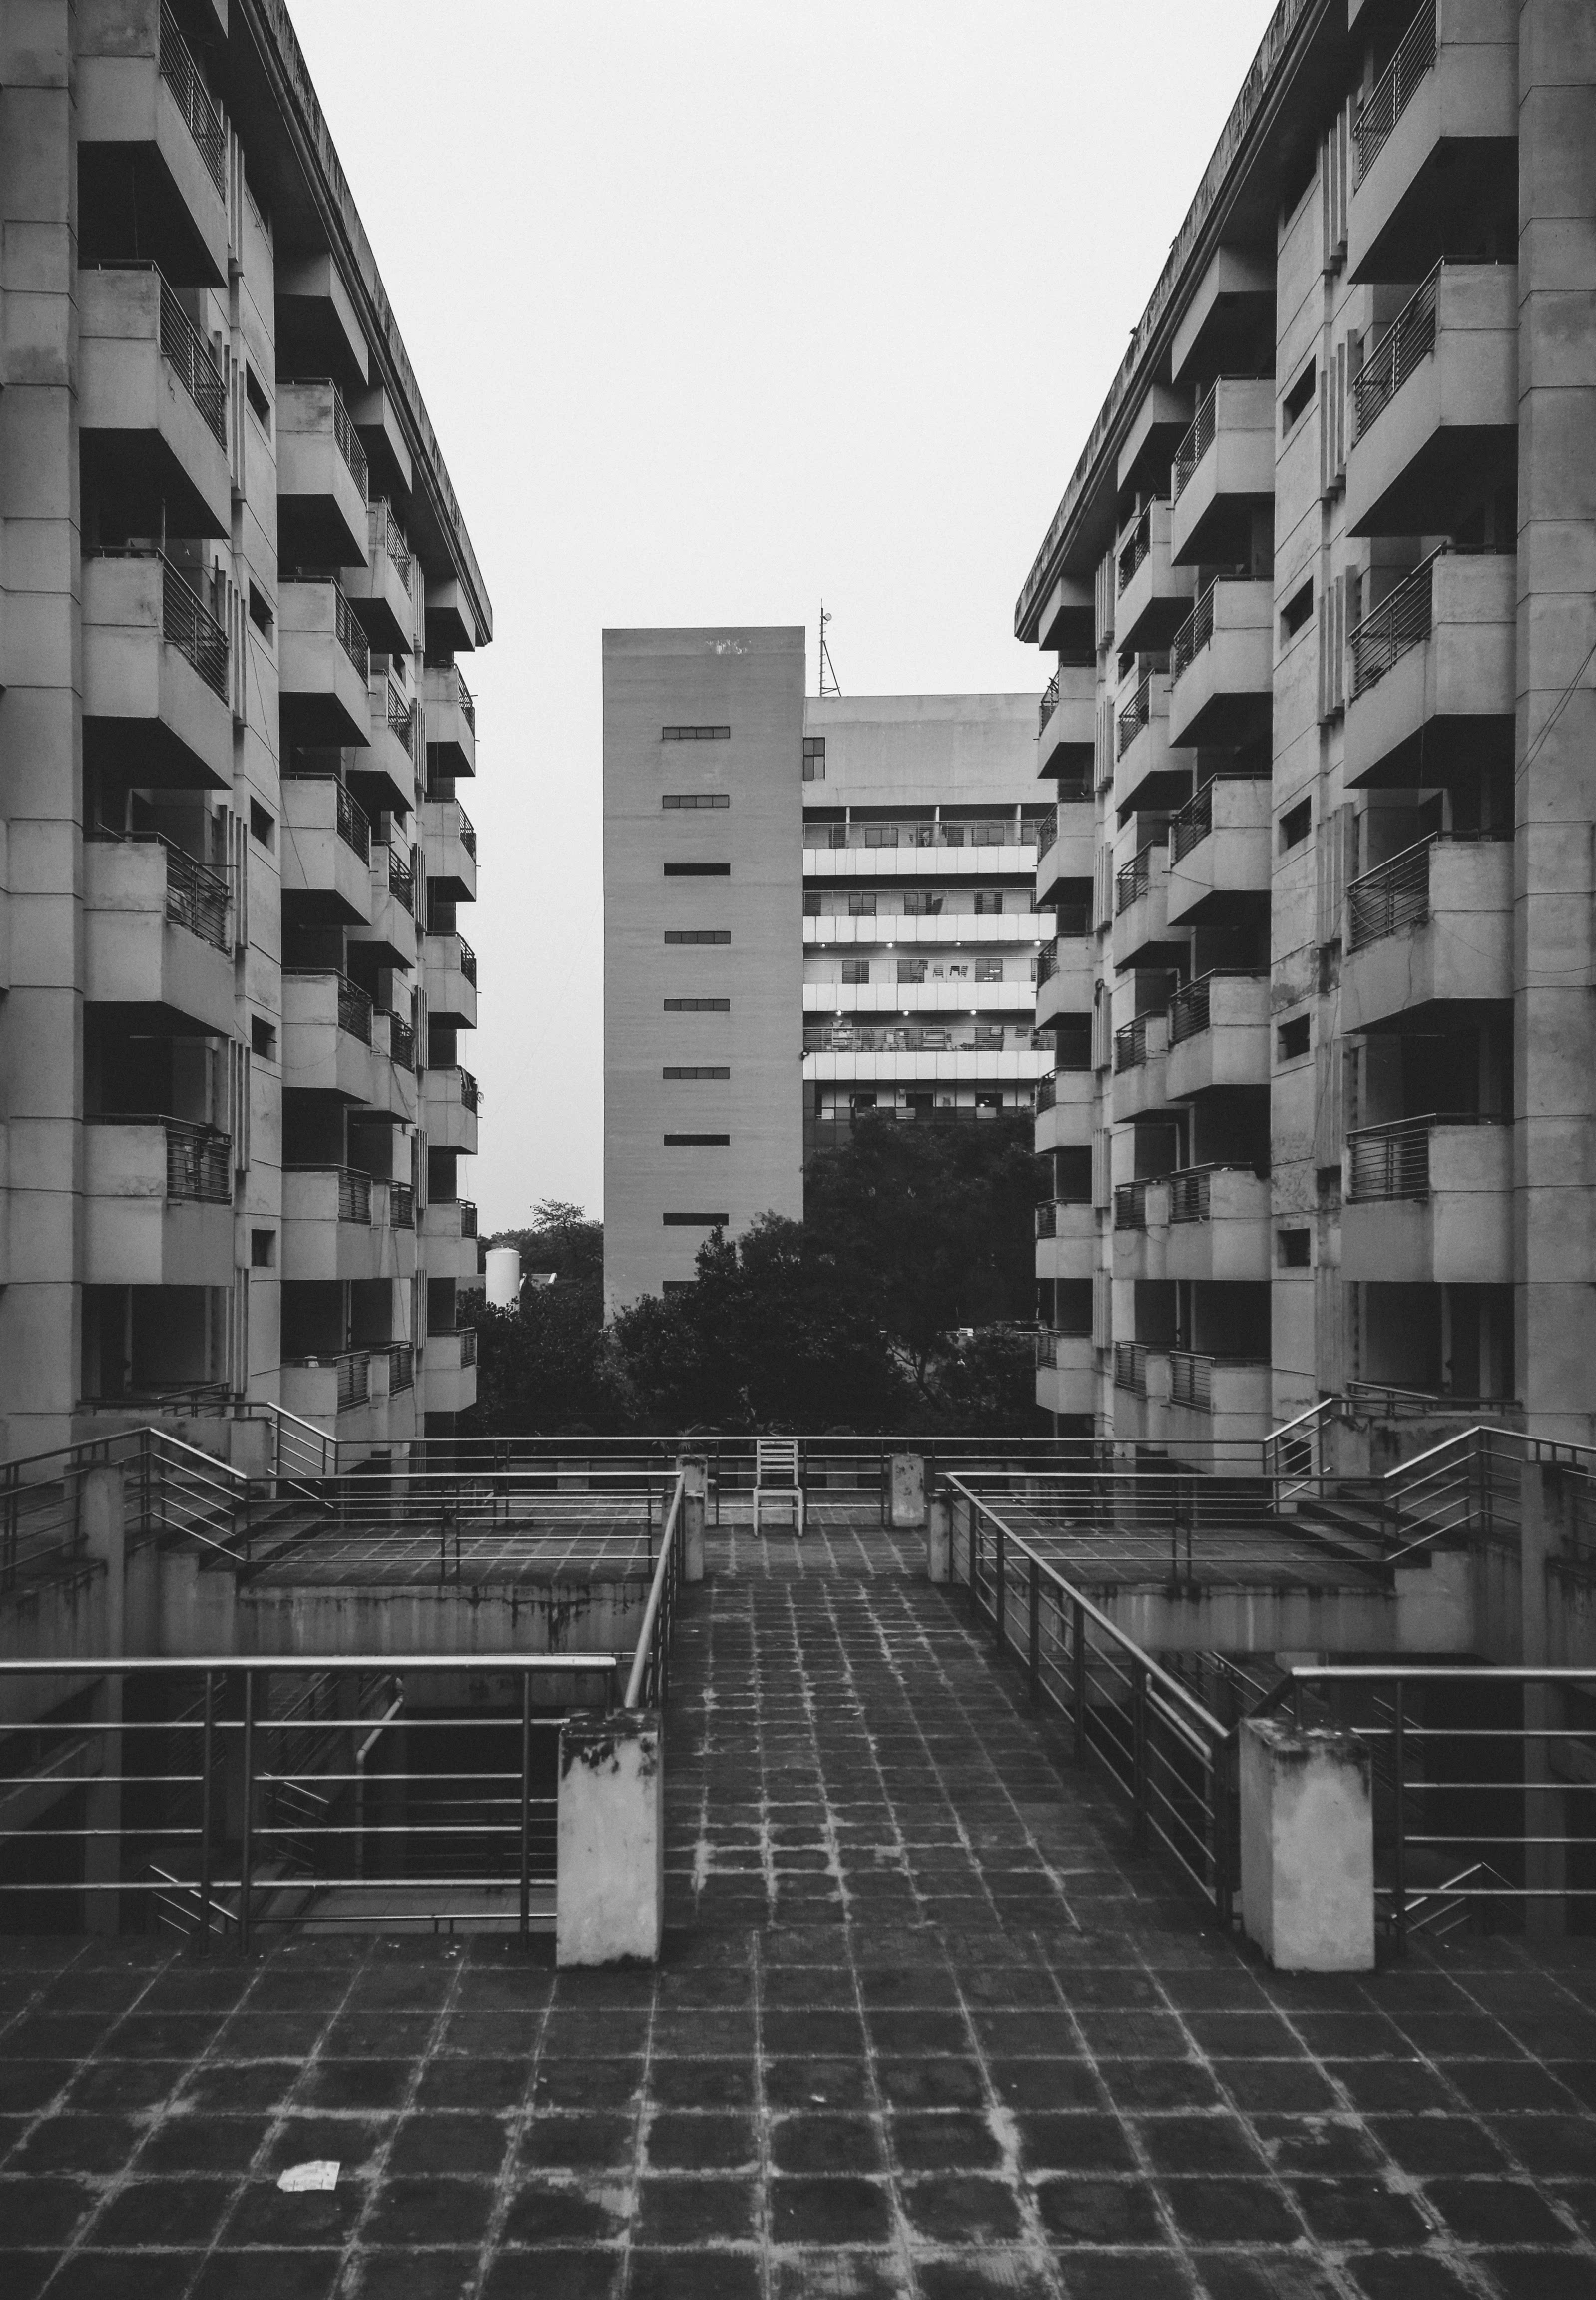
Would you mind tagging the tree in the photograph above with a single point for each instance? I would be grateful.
(543, 1369)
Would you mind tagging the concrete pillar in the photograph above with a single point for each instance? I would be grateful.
(1307, 1847)
(105, 1538)
(939, 1539)
(695, 1477)
(609, 1896)
(907, 1472)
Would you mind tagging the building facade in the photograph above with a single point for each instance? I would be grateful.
(231, 728)
(812, 908)
(1322, 599)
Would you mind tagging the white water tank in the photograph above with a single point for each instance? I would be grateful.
(505, 1277)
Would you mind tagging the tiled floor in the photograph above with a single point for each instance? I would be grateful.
(923, 2028)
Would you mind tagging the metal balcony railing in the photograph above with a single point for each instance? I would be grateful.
(401, 883)
(354, 1009)
(1130, 1044)
(186, 352)
(354, 1378)
(1391, 1161)
(1188, 1010)
(1401, 621)
(401, 1205)
(1135, 716)
(350, 637)
(199, 1163)
(1004, 831)
(349, 443)
(1049, 702)
(1405, 345)
(468, 1345)
(467, 703)
(401, 1041)
(1390, 899)
(1191, 825)
(1130, 1367)
(196, 898)
(1046, 832)
(1191, 1380)
(1134, 549)
(354, 827)
(354, 1195)
(1047, 1218)
(387, 535)
(1395, 89)
(1193, 635)
(401, 721)
(401, 1366)
(1046, 1093)
(467, 961)
(467, 833)
(1189, 1199)
(1046, 963)
(470, 1091)
(189, 625)
(1132, 879)
(1195, 444)
(1130, 1205)
(467, 1216)
(983, 1038)
(189, 92)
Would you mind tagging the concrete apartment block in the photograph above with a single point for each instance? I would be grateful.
(235, 579)
(1321, 583)
(812, 908)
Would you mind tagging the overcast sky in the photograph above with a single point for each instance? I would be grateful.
(720, 306)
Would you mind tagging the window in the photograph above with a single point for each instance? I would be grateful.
(260, 401)
(1296, 610)
(855, 970)
(698, 869)
(261, 614)
(695, 1070)
(988, 969)
(1292, 1039)
(880, 833)
(988, 902)
(1296, 823)
(263, 1039)
(697, 1141)
(263, 1249)
(695, 734)
(1293, 1248)
(912, 969)
(263, 826)
(698, 935)
(695, 1221)
(1328, 1184)
(919, 903)
(1300, 397)
(698, 1005)
(694, 799)
(861, 905)
(815, 757)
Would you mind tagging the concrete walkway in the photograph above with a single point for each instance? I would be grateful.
(923, 2028)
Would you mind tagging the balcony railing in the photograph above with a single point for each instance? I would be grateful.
(1130, 1367)
(354, 1378)
(401, 1366)
(402, 1040)
(467, 1218)
(387, 535)
(1193, 635)
(401, 883)
(199, 1158)
(1047, 1218)
(467, 833)
(1135, 716)
(401, 721)
(1049, 702)
(1132, 879)
(1393, 1161)
(1389, 899)
(352, 638)
(467, 960)
(470, 1091)
(1046, 832)
(1130, 1205)
(1191, 1380)
(354, 827)
(354, 1195)
(984, 1038)
(1395, 89)
(1130, 1044)
(1046, 1094)
(1401, 621)
(189, 92)
(354, 1009)
(839, 835)
(189, 625)
(1134, 549)
(1046, 963)
(1189, 1194)
(467, 704)
(468, 1345)
(196, 898)
(1195, 444)
(348, 441)
(1193, 822)
(1400, 352)
(401, 1205)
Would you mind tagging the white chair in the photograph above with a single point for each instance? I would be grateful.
(776, 1479)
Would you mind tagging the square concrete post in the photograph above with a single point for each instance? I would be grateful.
(907, 1473)
(939, 1539)
(1307, 1847)
(609, 1892)
(695, 1477)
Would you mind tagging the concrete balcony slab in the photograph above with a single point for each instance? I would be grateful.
(1437, 403)
(1141, 931)
(1162, 415)
(155, 675)
(1070, 987)
(1066, 1374)
(449, 837)
(1070, 857)
(1223, 679)
(394, 1084)
(450, 721)
(451, 982)
(323, 511)
(1443, 156)
(1223, 472)
(1064, 746)
(449, 1234)
(1219, 849)
(324, 1236)
(1434, 925)
(156, 942)
(1068, 618)
(1140, 1245)
(390, 929)
(1433, 676)
(1066, 1103)
(322, 1052)
(326, 875)
(448, 1372)
(137, 1230)
(1154, 596)
(1217, 1401)
(1219, 1036)
(1459, 1231)
(449, 1109)
(381, 591)
(1219, 1225)
(144, 430)
(1145, 765)
(149, 144)
(324, 665)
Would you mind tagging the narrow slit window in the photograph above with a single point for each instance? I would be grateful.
(697, 1141)
(697, 935)
(694, 799)
(695, 1070)
(1300, 397)
(698, 869)
(698, 1005)
(1296, 610)
(695, 734)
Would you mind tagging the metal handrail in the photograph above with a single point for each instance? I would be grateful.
(196, 899)
(1130, 1044)
(352, 638)
(467, 703)
(467, 960)
(1194, 445)
(402, 1040)
(355, 825)
(188, 355)
(649, 1674)
(1403, 620)
(401, 721)
(401, 1366)
(401, 1205)
(1135, 716)
(1049, 702)
(1405, 345)
(1047, 832)
(1130, 1367)
(1393, 1161)
(1134, 549)
(1395, 88)
(1130, 1205)
(189, 625)
(468, 1217)
(199, 1163)
(470, 1091)
(467, 832)
(387, 535)
(354, 1009)
(193, 99)
(1194, 634)
(401, 881)
(349, 443)
(1133, 879)
(1392, 897)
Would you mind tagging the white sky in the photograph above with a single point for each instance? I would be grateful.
(720, 306)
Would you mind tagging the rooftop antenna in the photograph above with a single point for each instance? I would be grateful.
(829, 679)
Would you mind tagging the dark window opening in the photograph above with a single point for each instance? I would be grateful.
(815, 757)
(262, 824)
(1296, 610)
(696, 799)
(698, 1005)
(698, 935)
(697, 1141)
(1292, 1038)
(259, 401)
(263, 1039)
(1296, 823)
(261, 614)
(1293, 1248)
(695, 1070)
(695, 1221)
(855, 972)
(695, 734)
(1300, 397)
(263, 1249)
(698, 869)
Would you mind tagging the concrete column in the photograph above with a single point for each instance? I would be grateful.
(609, 1897)
(907, 1472)
(939, 1539)
(1307, 1847)
(693, 1481)
(104, 1527)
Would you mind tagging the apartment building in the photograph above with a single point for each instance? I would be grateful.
(1320, 594)
(814, 908)
(236, 583)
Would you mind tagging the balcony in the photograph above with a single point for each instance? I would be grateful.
(1432, 925)
(1140, 1049)
(450, 1226)
(451, 980)
(337, 1225)
(390, 932)
(928, 987)
(1223, 474)
(1066, 974)
(327, 1022)
(865, 852)
(323, 514)
(451, 1103)
(450, 840)
(1067, 848)
(389, 767)
(1065, 1103)
(1432, 675)
(382, 591)
(958, 1054)
(1141, 932)
(334, 1391)
(1219, 1223)
(1429, 1201)
(158, 1203)
(151, 405)
(155, 694)
(158, 936)
(1066, 1374)
(1222, 1399)
(1222, 666)
(451, 721)
(448, 1365)
(324, 666)
(1436, 404)
(1068, 618)
(396, 1087)
(1437, 143)
(1219, 850)
(1217, 1035)
(1145, 771)
(1067, 723)
(152, 149)
(1141, 1228)
(1153, 597)
(1066, 1239)
(326, 852)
